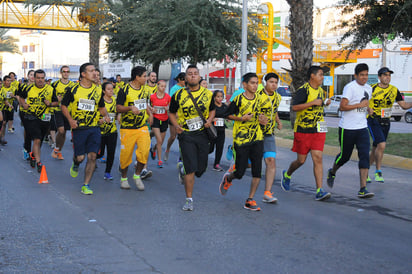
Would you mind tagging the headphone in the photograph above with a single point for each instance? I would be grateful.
(263, 80)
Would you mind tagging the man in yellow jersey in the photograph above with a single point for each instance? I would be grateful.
(86, 101)
(152, 82)
(192, 136)
(9, 95)
(132, 103)
(119, 82)
(246, 111)
(383, 97)
(14, 82)
(37, 99)
(270, 103)
(310, 130)
(61, 124)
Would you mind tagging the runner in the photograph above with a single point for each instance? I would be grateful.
(180, 78)
(61, 124)
(219, 123)
(193, 139)
(353, 128)
(37, 100)
(132, 104)
(9, 93)
(270, 103)
(246, 111)
(309, 130)
(152, 82)
(160, 102)
(108, 130)
(85, 101)
(203, 83)
(383, 97)
(119, 82)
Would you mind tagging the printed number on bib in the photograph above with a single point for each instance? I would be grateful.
(386, 112)
(141, 104)
(322, 127)
(194, 124)
(85, 104)
(8, 95)
(112, 117)
(220, 122)
(46, 117)
(159, 110)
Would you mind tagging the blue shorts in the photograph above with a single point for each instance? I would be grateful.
(379, 130)
(86, 140)
(269, 147)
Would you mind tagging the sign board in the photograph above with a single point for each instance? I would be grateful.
(328, 80)
(112, 69)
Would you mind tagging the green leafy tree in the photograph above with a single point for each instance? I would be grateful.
(8, 43)
(378, 19)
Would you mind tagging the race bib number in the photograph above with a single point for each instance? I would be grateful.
(8, 95)
(194, 124)
(87, 105)
(141, 104)
(220, 122)
(322, 127)
(46, 117)
(112, 117)
(386, 112)
(159, 110)
(364, 109)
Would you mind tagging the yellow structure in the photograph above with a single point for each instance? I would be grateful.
(328, 55)
(13, 14)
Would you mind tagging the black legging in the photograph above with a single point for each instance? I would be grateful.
(219, 142)
(109, 141)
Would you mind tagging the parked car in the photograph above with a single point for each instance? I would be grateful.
(333, 108)
(408, 116)
(397, 112)
(284, 106)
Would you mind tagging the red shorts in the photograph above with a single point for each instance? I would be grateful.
(305, 142)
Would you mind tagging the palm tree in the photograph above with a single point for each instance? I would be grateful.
(8, 43)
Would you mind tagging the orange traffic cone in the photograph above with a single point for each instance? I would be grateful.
(43, 176)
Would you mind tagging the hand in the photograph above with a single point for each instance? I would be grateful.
(364, 103)
(107, 119)
(46, 102)
(73, 124)
(317, 102)
(101, 121)
(247, 117)
(280, 125)
(179, 129)
(370, 111)
(150, 119)
(59, 98)
(328, 101)
(263, 120)
(135, 110)
(208, 124)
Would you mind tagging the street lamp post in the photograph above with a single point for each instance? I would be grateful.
(244, 38)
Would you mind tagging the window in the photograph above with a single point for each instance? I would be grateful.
(24, 49)
(31, 65)
(32, 48)
(24, 65)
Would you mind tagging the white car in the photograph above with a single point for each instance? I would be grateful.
(333, 108)
(284, 106)
(397, 112)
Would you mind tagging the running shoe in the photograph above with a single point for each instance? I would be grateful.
(331, 178)
(153, 153)
(188, 206)
(379, 177)
(322, 195)
(108, 176)
(251, 205)
(3, 142)
(39, 167)
(181, 171)
(145, 174)
(102, 160)
(54, 153)
(364, 193)
(159, 164)
(139, 183)
(368, 180)
(86, 190)
(124, 184)
(60, 156)
(225, 184)
(217, 168)
(32, 160)
(268, 197)
(229, 153)
(10, 130)
(74, 170)
(285, 184)
(166, 156)
(26, 155)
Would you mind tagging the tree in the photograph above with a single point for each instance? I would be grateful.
(156, 30)
(8, 43)
(378, 19)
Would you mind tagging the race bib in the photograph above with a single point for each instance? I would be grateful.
(194, 124)
(141, 104)
(159, 110)
(112, 117)
(87, 105)
(46, 117)
(8, 95)
(386, 112)
(220, 122)
(322, 127)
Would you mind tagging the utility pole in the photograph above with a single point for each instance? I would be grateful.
(244, 38)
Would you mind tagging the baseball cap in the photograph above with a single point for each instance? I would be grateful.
(181, 75)
(384, 70)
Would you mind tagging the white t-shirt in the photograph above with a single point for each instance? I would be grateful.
(355, 118)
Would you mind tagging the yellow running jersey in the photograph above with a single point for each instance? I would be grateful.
(21, 89)
(60, 90)
(188, 117)
(246, 132)
(307, 119)
(129, 96)
(151, 89)
(84, 104)
(7, 94)
(382, 100)
(35, 97)
(107, 128)
(269, 107)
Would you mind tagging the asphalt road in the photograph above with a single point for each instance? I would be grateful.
(53, 228)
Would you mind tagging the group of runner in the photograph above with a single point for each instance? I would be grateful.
(142, 108)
